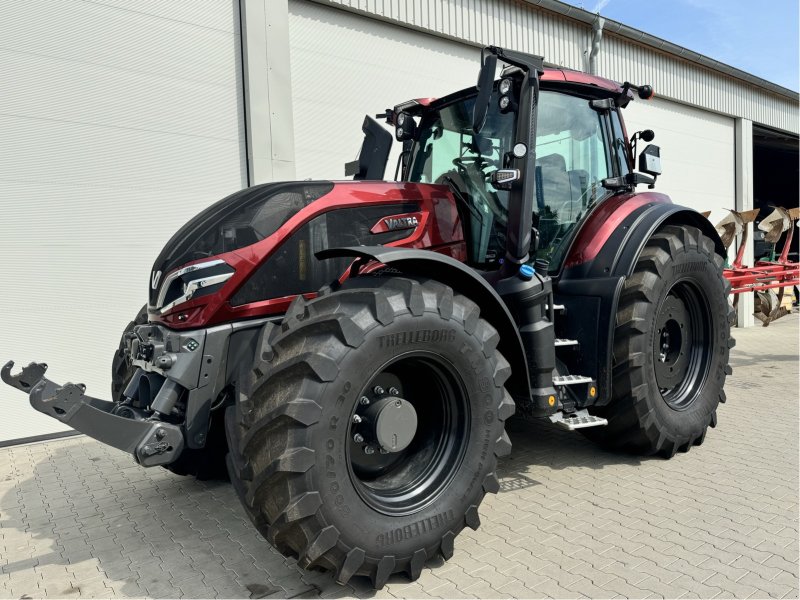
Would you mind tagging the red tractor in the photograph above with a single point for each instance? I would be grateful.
(349, 351)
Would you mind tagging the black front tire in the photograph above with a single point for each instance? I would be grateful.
(671, 347)
(122, 368)
(301, 477)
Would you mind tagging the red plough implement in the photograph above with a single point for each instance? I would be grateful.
(768, 278)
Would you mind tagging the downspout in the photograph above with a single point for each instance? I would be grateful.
(597, 36)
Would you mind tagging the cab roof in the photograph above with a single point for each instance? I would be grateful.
(580, 78)
(552, 74)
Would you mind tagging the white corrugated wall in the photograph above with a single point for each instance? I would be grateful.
(120, 120)
(693, 84)
(345, 66)
(697, 152)
(520, 25)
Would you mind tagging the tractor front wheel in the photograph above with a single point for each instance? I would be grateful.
(671, 347)
(369, 430)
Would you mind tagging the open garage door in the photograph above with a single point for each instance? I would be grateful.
(776, 181)
(345, 66)
(120, 121)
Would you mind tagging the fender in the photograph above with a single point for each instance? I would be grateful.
(612, 238)
(463, 280)
(590, 286)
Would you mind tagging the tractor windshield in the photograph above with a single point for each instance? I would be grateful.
(571, 162)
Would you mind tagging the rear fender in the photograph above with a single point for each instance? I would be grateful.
(654, 219)
(463, 280)
(590, 290)
(610, 245)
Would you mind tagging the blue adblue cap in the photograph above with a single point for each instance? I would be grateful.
(526, 272)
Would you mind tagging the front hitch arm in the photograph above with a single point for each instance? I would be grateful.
(151, 442)
(29, 377)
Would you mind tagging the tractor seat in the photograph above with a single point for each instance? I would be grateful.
(558, 190)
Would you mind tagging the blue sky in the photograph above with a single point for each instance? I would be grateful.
(758, 37)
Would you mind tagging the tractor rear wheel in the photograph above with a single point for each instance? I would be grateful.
(368, 432)
(203, 463)
(671, 347)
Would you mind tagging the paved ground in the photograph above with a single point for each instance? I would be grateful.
(78, 519)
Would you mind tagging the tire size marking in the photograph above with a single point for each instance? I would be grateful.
(484, 454)
(330, 456)
(688, 267)
(414, 337)
(414, 530)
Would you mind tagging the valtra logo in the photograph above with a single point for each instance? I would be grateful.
(395, 223)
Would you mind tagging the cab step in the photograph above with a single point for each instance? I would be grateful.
(571, 379)
(577, 420)
(566, 342)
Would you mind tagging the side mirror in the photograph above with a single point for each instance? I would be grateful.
(650, 160)
(485, 83)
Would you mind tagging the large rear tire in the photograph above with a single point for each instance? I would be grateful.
(671, 347)
(204, 463)
(315, 403)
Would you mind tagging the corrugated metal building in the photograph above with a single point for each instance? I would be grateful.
(122, 119)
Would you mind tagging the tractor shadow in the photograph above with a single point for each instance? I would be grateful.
(80, 519)
(539, 446)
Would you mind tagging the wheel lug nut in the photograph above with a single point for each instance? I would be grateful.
(369, 450)
(364, 400)
(394, 391)
(397, 403)
(378, 390)
(358, 438)
(356, 419)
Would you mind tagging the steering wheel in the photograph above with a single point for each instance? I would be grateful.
(464, 163)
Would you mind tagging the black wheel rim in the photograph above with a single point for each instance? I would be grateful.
(682, 344)
(404, 482)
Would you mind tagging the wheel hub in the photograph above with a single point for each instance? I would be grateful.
(384, 422)
(682, 344)
(671, 343)
(392, 423)
(408, 432)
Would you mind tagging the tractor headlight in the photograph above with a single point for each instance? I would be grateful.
(405, 127)
(504, 102)
(504, 87)
(200, 279)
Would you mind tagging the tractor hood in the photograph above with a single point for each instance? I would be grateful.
(241, 219)
(258, 245)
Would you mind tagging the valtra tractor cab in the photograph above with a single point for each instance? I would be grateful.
(350, 351)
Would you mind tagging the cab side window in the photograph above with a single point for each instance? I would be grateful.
(571, 162)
